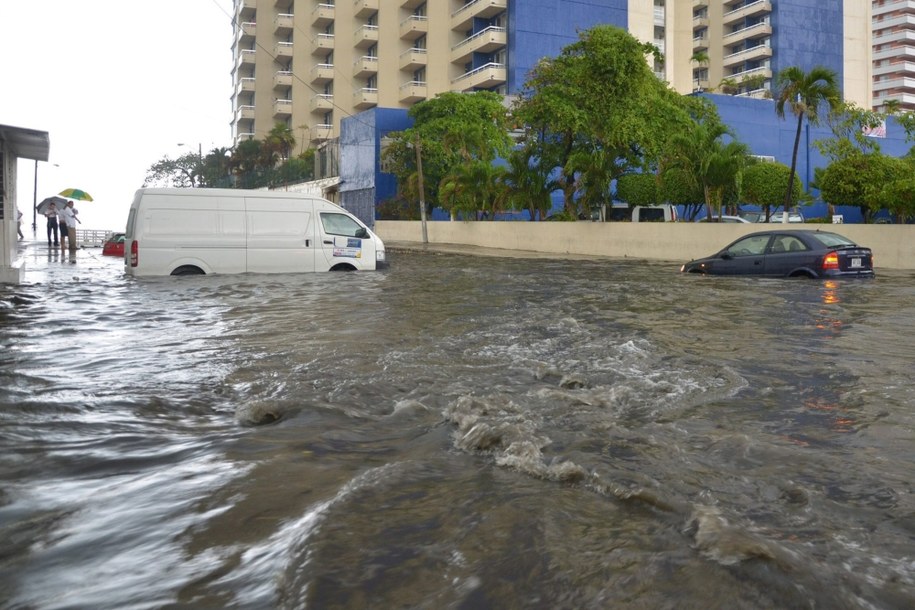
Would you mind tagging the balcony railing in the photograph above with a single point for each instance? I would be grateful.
(283, 49)
(322, 73)
(365, 97)
(364, 66)
(747, 10)
(322, 44)
(462, 18)
(414, 91)
(414, 27)
(282, 79)
(245, 112)
(762, 70)
(484, 41)
(758, 52)
(283, 24)
(245, 85)
(246, 56)
(365, 8)
(365, 36)
(412, 59)
(757, 30)
(484, 77)
(282, 108)
(247, 31)
(321, 103)
(321, 132)
(323, 15)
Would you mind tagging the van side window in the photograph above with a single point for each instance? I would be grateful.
(341, 224)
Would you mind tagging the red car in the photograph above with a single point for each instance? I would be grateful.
(114, 245)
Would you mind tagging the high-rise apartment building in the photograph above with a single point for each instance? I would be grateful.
(311, 63)
(894, 53)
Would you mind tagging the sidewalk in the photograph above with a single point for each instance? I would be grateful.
(44, 264)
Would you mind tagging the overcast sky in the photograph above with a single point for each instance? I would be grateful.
(117, 85)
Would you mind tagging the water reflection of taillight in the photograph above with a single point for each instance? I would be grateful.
(831, 261)
(134, 253)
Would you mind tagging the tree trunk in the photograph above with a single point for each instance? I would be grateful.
(797, 142)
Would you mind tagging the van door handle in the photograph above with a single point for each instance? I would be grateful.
(307, 243)
(329, 242)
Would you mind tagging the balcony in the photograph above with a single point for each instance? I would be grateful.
(484, 77)
(321, 103)
(754, 9)
(700, 43)
(246, 57)
(242, 136)
(282, 79)
(895, 85)
(759, 30)
(282, 50)
(901, 68)
(321, 73)
(322, 44)
(282, 24)
(365, 36)
(412, 92)
(246, 32)
(366, 97)
(365, 8)
(752, 54)
(700, 3)
(323, 15)
(897, 53)
(904, 36)
(413, 27)
(894, 21)
(462, 19)
(321, 132)
(246, 9)
(245, 85)
(413, 59)
(244, 113)
(902, 6)
(761, 71)
(485, 41)
(700, 22)
(282, 108)
(365, 66)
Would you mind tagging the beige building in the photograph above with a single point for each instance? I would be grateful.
(338, 69)
(894, 52)
(330, 59)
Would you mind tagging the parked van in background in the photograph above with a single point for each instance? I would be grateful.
(643, 213)
(185, 231)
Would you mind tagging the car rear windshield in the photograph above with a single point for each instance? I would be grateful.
(832, 240)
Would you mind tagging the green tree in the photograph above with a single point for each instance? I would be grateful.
(183, 172)
(700, 58)
(279, 141)
(638, 189)
(526, 184)
(596, 111)
(858, 180)
(452, 129)
(764, 184)
(898, 198)
(709, 163)
(803, 93)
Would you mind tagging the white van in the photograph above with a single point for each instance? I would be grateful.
(185, 231)
(664, 212)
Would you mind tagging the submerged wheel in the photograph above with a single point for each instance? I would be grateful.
(188, 270)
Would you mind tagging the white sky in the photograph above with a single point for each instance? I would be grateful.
(117, 85)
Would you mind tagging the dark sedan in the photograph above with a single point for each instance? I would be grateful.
(798, 253)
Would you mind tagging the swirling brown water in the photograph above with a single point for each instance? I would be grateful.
(456, 432)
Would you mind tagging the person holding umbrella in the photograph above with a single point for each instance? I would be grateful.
(68, 217)
(51, 214)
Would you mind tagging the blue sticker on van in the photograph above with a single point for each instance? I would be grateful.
(353, 242)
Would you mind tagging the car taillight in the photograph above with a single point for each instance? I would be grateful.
(134, 253)
(831, 261)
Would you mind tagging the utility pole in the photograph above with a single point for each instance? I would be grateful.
(422, 197)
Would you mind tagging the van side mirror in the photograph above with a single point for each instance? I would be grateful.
(362, 233)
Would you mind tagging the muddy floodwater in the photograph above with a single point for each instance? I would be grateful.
(455, 432)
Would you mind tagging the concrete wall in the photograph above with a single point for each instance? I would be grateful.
(893, 245)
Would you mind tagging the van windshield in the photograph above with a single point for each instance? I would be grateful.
(341, 224)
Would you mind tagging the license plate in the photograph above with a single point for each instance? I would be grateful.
(855, 263)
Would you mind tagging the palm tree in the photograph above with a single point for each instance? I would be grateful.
(700, 57)
(804, 93)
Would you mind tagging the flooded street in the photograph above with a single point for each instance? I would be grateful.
(455, 432)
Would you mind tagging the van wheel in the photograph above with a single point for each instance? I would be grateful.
(188, 270)
(343, 267)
